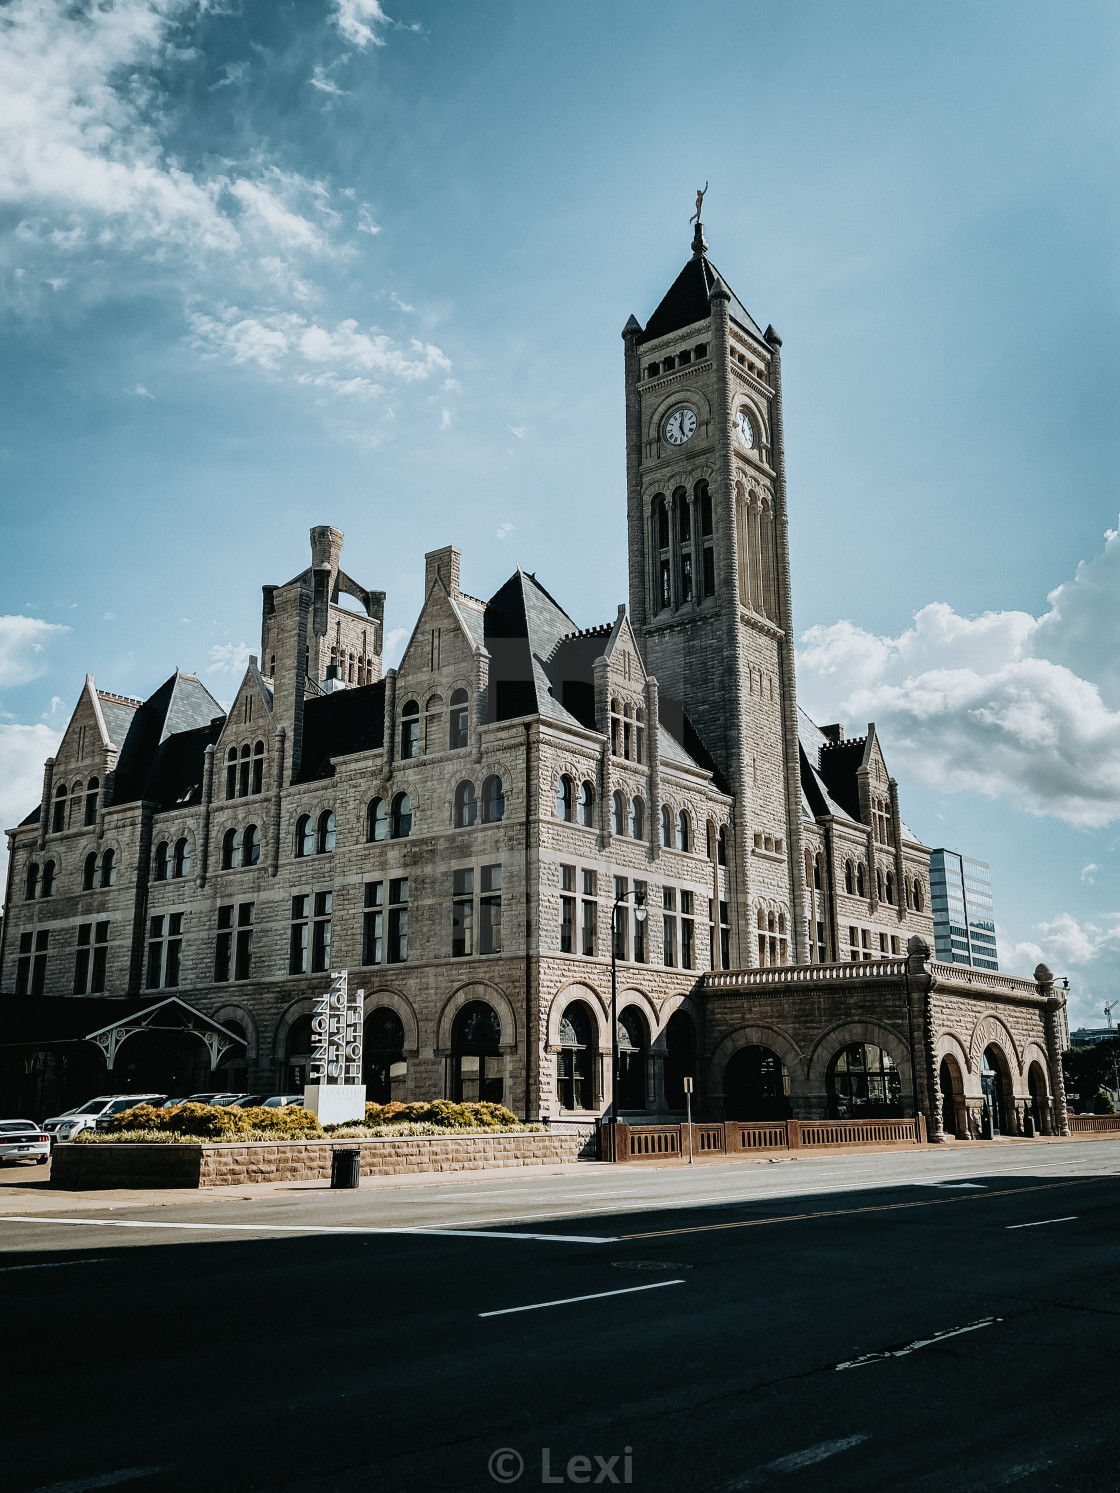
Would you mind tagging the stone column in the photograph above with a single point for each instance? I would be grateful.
(280, 741)
(207, 798)
(45, 809)
(1054, 1004)
(919, 987)
(653, 718)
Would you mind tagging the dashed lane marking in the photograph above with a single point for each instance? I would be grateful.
(537, 1306)
(922, 1342)
(310, 1228)
(1038, 1222)
(54, 1264)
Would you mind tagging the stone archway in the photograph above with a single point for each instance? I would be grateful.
(997, 1113)
(756, 1085)
(1039, 1102)
(954, 1109)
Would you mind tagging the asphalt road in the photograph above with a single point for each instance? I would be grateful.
(935, 1320)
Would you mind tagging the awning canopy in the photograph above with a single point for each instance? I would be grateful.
(172, 1016)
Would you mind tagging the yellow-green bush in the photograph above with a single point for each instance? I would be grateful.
(444, 1113)
(224, 1122)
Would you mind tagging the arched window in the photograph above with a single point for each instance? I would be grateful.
(909, 891)
(251, 846)
(466, 805)
(231, 773)
(383, 1056)
(58, 819)
(47, 887)
(305, 836)
(325, 833)
(663, 569)
(917, 896)
(231, 849)
(684, 830)
(109, 868)
(633, 1050)
(493, 801)
(89, 872)
(433, 724)
(564, 797)
(258, 767)
(666, 825)
(680, 1059)
(756, 1086)
(576, 1061)
(401, 818)
(377, 820)
(160, 862)
(638, 819)
(879, 883)
(639, 735)
(410, 730)
(243, 778)
(861, 885)
(31, 883)
(818, 881)
(91, 801)
(618, 813)
(849, 879)
(457, 735)
(476, 1060)
(587, 805)
(890, 889)
(864, 1084)
(181, 865)
(721, 854)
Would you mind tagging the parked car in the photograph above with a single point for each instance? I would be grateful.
(23, 1140)
(126, 1101)
(223, 1100)
(249, 1101)
(278, 1101)
(206, 1098)
(85, 1116)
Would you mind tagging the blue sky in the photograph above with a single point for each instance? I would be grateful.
(269, 265)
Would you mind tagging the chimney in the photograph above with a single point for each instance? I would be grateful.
(443, 563)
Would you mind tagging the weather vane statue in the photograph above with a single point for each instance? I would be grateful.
(699, 203)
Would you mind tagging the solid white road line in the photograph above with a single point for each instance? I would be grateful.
(537, 1306)
(922, 1342)
(101, 1480)
(1037, 1224)
(54, 1264)
(819, 1453)
(309, 1228)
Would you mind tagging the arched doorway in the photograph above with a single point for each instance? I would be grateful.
(954, 1116)
(384, 1067)
(680, 1058)
(1039, 1092)
(477, 1066)
(232, 1073)
(161, 1063)
(633, 1051)
(297, 1057)
(996, 1091)
(864, 1084)
(756, 1086)
(577, 1061)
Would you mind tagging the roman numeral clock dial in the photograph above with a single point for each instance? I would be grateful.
(680, 427)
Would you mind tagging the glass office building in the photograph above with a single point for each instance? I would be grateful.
(964, 928)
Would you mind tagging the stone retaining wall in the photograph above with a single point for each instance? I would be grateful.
(78, 1166)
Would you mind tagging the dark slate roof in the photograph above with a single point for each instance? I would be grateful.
(688, 300)
(175, 778)
(334, 725)
(118, 715)
(181, 704)
(832, 792)
(522, 626)
(674, 720)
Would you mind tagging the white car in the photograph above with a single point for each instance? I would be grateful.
(23, 1140)
(86, 1116)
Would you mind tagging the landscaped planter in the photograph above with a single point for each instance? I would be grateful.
(124, 1164)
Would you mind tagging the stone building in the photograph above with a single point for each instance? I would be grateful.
(468, 833)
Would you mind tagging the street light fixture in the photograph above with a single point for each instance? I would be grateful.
(1115, 1077)
(639, 896)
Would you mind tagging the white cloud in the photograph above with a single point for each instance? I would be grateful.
(445, 420)
(141, 393)
(1087, 873)
(520, 431)
(229, 658)
(366, 223)
(23, 648)
(393, 641)
(357, 19)
(324, 84)
(23, 750)
(1006, 704)
(399, 304)
(504, 530)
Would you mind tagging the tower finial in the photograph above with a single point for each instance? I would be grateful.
(699, 242)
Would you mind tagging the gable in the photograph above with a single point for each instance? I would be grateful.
(440, 640)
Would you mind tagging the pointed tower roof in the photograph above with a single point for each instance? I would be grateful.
(688, 299)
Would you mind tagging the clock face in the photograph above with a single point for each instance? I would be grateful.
(680, 427)
(744, 429)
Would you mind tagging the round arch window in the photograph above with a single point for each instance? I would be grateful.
(756, 1086)
(864, 1084)
(633, 1048)
(575, 1064)
(383, 1056)
(476, 1061)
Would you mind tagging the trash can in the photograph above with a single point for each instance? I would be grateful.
(346, 1166)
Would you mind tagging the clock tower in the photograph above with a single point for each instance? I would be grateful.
(709, 576)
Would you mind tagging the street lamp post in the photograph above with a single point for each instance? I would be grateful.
(639, 896)
(1115, 1077)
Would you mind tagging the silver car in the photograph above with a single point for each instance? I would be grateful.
(85, 1116)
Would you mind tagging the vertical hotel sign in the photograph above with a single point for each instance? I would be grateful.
(336, 1034)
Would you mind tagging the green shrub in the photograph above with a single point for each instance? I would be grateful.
(218, 1122)
(445, 1114)
(1102, 1103)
